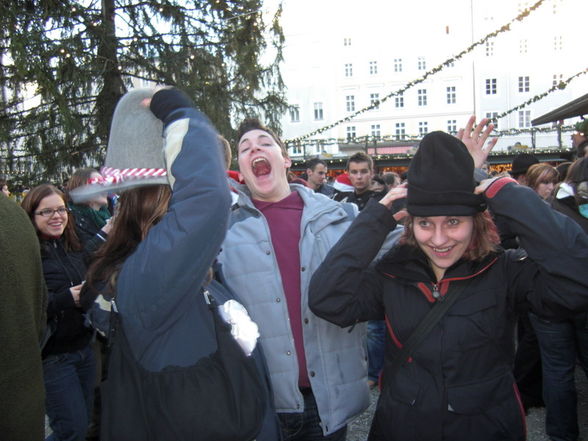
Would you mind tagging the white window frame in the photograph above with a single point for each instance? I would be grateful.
(524, 84)
(422, 97)
(350, 103)
(524, 119)
(295, 113)
(318, 111)
(351, 134)
(373, 67)
(397, 64)
(491, 86)
(451, 95)
(400, 131)
(373, 98)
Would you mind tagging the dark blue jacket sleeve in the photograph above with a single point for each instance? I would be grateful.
(172, 262)
(555, 280)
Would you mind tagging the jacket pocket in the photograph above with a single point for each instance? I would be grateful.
(480, 396)
(472, 322)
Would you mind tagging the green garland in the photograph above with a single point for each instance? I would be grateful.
(413, 83)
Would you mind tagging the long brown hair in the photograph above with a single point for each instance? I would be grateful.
(78, 178)
(139, 209)
(30, 204)
(485, 238)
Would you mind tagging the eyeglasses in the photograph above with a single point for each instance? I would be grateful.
(48, 212)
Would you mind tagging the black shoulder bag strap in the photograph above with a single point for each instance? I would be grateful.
(427, 324)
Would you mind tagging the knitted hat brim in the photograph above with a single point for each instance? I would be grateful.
(443, 203)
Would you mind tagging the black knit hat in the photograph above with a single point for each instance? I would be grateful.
(521, 163)
(441, 179)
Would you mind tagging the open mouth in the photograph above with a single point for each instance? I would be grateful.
(261, 167)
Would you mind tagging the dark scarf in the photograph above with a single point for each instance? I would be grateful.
(98, 217)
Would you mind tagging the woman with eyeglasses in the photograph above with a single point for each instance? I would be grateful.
(69, 366)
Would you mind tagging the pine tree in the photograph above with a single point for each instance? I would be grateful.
(66, 63)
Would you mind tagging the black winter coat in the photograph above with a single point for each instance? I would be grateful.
(459, 384)
(62, 270)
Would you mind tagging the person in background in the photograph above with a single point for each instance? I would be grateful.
(580, 139)
(542, 179)
(22, 321)
(360, 168)
(4, 187)
(562, 171)
(316, 171)
(92, 218)
(562, 342)
(378, 185)
(69, 365)
(457, 383)
(520, 165)
(391, 179)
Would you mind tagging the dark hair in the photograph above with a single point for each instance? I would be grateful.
(485, 238)
(314, 162)
(77, 179)
(360, 157)
(390, 178)
(249, 124)
(378, 179)
(138, 210)
(31, 202)
(577, 171)
(541, 173)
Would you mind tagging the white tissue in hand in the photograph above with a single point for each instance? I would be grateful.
(243, 329)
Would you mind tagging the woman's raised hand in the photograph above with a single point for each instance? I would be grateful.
(474, 137)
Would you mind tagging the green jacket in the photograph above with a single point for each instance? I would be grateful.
(22, 320)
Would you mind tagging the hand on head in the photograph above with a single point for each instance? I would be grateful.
(396, 194)
(474, 137)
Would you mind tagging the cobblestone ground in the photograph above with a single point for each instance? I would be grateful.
(359, 429)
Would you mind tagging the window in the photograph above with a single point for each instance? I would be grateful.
(399, 100)
(375, 98)
(557, 43)
(350, 103)
(295, 114)
(423, 128)
(452, 126)
(318, 111)
(524, 118)
(491, 86)
(494, 117)
(347, 41)
(557, 78)
(400, 131)
(489, 48)
(523, 47)
(373, 67)
(375, 131)
(350, 133)
(397, 64)
(421, 63)
(297, 150)
(523, 84)
(422, 97)
(348, 70)
(451, 95)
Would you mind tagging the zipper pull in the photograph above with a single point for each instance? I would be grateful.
(436, 294)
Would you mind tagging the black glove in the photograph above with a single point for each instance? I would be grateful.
(165, 101)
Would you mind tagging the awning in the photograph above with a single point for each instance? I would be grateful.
(577, 107)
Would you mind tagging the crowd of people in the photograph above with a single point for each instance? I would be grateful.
(203, 304)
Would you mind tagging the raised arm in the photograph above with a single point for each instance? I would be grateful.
(172, 262)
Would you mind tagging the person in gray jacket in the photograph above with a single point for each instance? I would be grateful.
(279, 235)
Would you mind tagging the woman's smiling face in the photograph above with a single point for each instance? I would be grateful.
(443, 239)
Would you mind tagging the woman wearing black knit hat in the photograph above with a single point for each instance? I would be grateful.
(449, 294)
